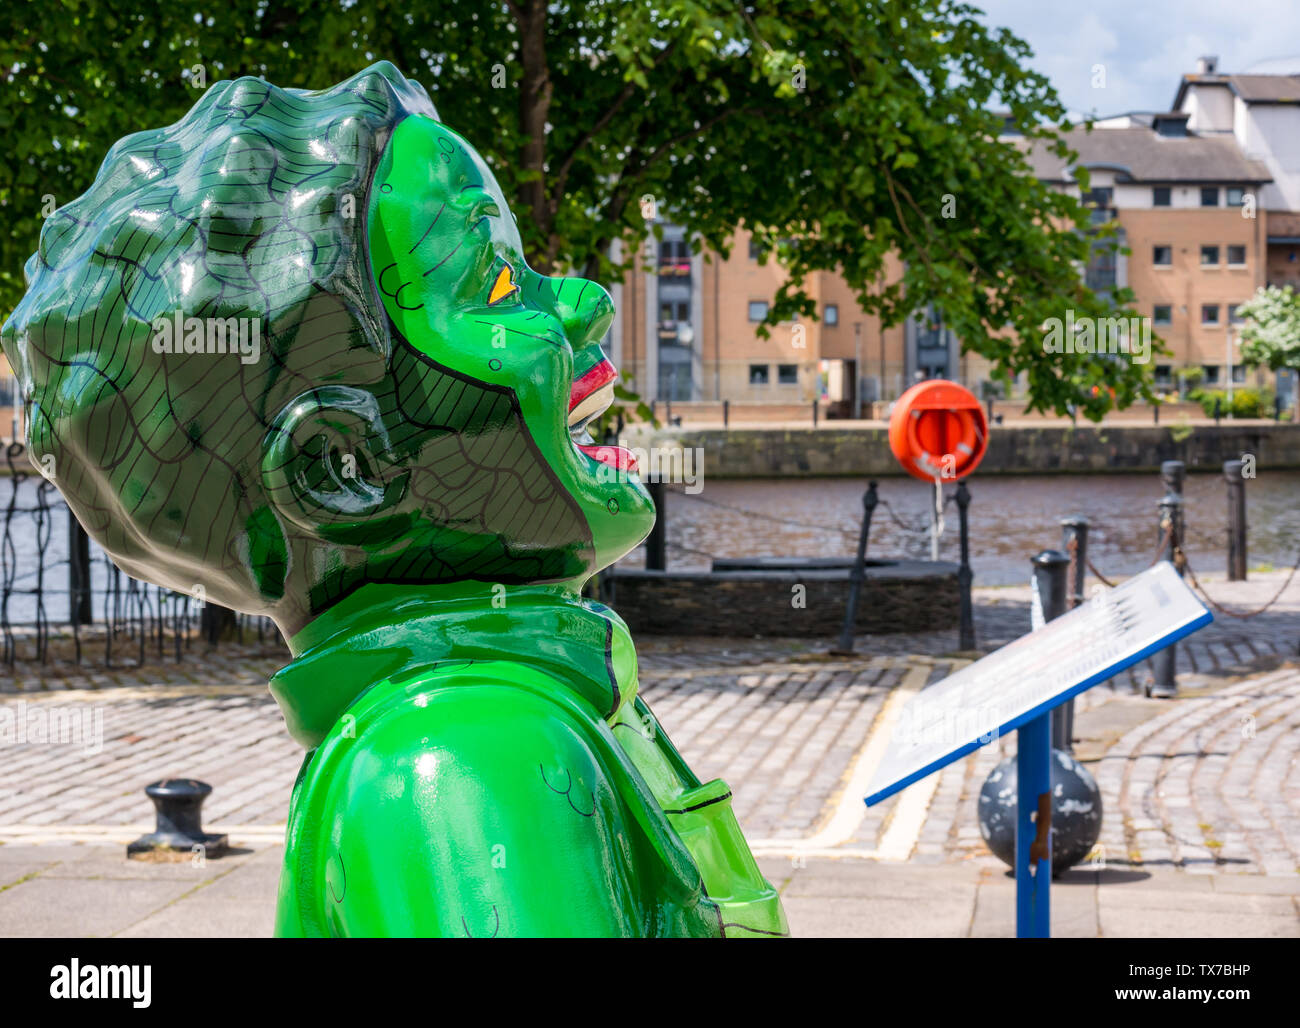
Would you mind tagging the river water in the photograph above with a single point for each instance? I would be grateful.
(1010, 520)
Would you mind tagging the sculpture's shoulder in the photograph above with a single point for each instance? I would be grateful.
(477, 798)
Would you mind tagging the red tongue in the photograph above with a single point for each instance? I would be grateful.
(617, 457)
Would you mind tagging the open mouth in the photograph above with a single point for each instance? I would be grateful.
(591, 396)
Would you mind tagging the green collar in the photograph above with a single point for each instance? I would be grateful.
(381, 631)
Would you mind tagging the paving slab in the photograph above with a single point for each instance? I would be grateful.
(82, 907)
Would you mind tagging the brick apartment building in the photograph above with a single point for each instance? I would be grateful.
(1207, 200)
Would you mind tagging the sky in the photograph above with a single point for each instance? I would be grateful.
(1144, 46)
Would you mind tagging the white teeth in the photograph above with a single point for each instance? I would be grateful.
(592, 406)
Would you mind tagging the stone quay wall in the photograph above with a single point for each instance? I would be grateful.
(830, 450)
(907, 596)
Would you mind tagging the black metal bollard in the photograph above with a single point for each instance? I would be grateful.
(1155, 413)
(814, 407)
(1172, 475)
(178, 803)
(656, 548)
(964, 573)
(1164, 662)
(726, 413)
(1236, 519)
(1051, 570)
(1050, 575)
(1074, 541)
(857, 573)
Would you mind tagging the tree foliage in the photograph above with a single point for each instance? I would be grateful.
(839, 131)
(1271, 334)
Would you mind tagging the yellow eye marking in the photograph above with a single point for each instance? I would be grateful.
(502, 287)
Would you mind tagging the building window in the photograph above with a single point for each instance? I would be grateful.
(1234, 317)
(758, 374)
(1162, 314)
(1209, 314)
(1164, 375)
(1236, 196)
(1161, 196)
(1209, 256)
(1237, 256)
(1211, 374)
(757, 310)
(1239, 373)
(1162, 256)
(673, 315)
(832, 314)
(1209, 196)
(787, 374)
(1102, 269)
(674, 258)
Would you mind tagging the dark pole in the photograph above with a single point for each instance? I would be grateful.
(964, 573)
(726, 413)
(1051, 575)
(1217, 410)
(857, 573)
(1164, 662)
(655, 548)
(1172, 474)
(1155, 412)
(1034, 779)
(814, 405)
(1236, 520)
(1074, 541)
(80, 611)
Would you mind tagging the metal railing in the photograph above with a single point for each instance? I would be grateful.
(61, 597)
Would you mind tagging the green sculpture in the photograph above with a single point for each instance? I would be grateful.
(287, 353)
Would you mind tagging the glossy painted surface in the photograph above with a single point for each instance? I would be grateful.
(392, 463)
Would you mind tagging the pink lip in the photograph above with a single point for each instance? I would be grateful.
(597, 377)
(618, 457)
(592, 379)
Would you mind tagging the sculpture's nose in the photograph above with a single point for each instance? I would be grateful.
(585, 309)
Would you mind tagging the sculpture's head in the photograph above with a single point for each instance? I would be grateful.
(289, 346)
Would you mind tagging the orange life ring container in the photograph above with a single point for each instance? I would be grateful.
(938, 431)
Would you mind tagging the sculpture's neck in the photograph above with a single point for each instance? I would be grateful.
(382, 630)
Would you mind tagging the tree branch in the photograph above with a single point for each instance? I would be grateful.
(566, 162)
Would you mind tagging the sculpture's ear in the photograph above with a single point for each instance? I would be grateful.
(325, 461)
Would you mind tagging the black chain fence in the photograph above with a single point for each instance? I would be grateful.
(62, 598)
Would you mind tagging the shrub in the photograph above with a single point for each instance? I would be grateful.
(1247, 402)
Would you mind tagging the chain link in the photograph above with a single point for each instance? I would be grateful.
(1235, 613)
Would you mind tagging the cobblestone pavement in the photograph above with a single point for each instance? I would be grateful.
(1209, 782)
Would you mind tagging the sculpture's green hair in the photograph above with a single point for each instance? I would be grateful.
(254, 206)
(251, 206)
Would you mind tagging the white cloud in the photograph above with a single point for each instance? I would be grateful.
(1145, 46)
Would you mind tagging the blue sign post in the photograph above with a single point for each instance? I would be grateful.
(1033, 829)
(1016, 688)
